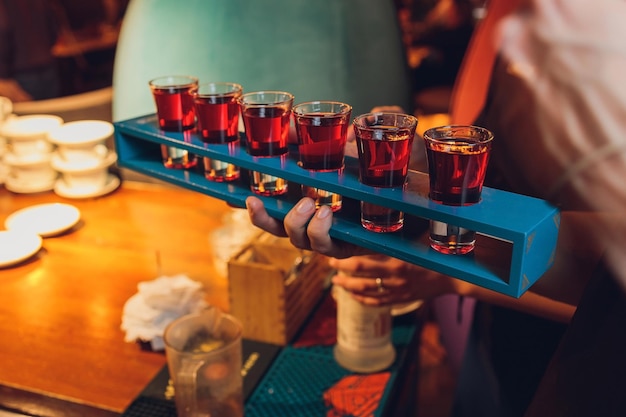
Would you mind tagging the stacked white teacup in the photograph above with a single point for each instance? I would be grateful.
(83, 159)
(28, 152)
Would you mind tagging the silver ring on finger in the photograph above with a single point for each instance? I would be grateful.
(379, 285)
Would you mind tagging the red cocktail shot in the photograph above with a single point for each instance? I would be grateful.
(384, 142)
(267, 130)
(322, 128)
(384, 161)
(459, 167)
(266, 118)
(457, 164)
(217, 111)
(322, 131)
(173, 96)
(174, 102)
(322, 147)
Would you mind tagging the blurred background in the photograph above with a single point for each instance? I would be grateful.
(59, 57)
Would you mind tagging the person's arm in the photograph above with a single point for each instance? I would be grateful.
(402, 282)
(306, 227)
(554, 296)
(13, 91)
(568, 57)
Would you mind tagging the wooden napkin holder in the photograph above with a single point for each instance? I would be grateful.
(273, 287)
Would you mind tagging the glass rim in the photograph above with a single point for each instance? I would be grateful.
(169, 81)
(485, 136)
(227, 345)
(285, 98)
(234, 89)
(343, 108)
(412, 121)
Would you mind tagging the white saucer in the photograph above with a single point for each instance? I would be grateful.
(78, 167)
(22, 189)
(16, 246)
(61, 189)
(44, 219)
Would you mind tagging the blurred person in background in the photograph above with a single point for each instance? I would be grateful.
(28, 69)
(439, 34)
(558, 106)
(34, 35)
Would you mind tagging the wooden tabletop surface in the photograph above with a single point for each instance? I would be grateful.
(62, 351)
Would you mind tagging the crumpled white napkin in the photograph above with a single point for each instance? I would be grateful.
(156, 304)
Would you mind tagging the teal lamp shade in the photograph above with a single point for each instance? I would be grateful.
(345, 50)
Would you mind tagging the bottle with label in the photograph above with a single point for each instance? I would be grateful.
(363, 335)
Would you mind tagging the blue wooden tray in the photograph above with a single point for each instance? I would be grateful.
(517, 234)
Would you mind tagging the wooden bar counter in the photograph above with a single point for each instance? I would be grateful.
(62, 351)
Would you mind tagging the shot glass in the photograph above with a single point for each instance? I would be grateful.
(173, 96)
(217, 112)
(322, 128)
(384, 142)
(266, 116)
(457, 163)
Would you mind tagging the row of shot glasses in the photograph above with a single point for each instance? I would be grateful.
(213, 109)
(457, 155)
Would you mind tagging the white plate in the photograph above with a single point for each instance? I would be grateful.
(16, 246)
(44, 219)
(61, 189)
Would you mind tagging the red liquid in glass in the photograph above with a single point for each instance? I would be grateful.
(456, 174)
(218, 119)
(322, 141)
(381, 219)
(385, 163)
(267, 130)
(175, 108)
